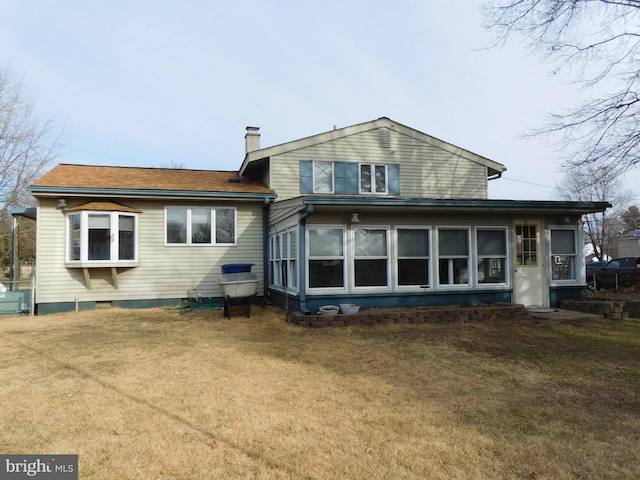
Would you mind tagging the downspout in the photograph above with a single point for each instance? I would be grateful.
(265, 247)
(302, 241)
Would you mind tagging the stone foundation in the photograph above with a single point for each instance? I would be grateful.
(436, 314)
(608, 308)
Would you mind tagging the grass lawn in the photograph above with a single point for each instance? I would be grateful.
(160, 394)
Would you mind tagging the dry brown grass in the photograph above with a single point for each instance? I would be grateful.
(157, 394)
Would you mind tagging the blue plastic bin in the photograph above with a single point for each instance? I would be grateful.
(237, 267)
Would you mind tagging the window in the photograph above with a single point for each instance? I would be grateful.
(373, 178)
(101, 237)
(371, 257)
(492, 255)
(413, 256)
(323, 177)
(284, 259)
(526, 245)
(326, 257)
(200, 226)
(563, 254)
(453, 256)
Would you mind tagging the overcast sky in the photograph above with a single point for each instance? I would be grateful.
(160, 83)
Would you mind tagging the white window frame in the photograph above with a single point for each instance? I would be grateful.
(343, 258)
(281, 247)
(333, 177)
(478, 257)
(354, 257)
(468, 257)
(372, 172)
(428, 257)
(189, 240)
(114, 240)
(578, 266)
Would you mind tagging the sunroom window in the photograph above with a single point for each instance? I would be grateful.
(101, 238)
(453, 256)
(284, 259)
(413, 256)
(563, 254)
(371, 258)
(326, 257)
(492, 255)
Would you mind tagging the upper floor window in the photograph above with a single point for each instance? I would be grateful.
(349, 178)
(101, 237)
(373, 178)
(323, 177)
(200, 226)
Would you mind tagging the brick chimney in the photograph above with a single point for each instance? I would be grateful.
(252, 139)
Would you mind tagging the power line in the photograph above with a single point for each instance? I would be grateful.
(528, 183)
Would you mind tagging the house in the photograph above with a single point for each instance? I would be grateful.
(377, 214)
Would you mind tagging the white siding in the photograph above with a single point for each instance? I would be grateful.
(425, 171)
(162, 272)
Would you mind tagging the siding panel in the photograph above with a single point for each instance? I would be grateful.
(163, 272)
(425, 171)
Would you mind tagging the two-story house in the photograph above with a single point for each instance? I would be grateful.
(377, 214)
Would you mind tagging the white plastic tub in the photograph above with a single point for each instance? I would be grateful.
(238, 285)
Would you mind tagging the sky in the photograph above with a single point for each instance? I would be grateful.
(163, 83)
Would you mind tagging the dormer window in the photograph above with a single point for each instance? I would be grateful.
(373, 178)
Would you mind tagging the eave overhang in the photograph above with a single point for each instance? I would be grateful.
(456, 205)
(129, 193)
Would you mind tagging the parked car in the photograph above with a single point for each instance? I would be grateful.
(591, 266)
(618, 273)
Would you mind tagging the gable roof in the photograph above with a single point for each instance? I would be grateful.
(493, 168)
(92, 179)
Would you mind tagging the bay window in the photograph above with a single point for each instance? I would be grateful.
(101, 237)
(200, 226)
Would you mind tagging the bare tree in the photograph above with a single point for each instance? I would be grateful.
(598, 43)
(27, 147)
(597, 185)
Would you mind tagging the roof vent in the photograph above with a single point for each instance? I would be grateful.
(385, 138)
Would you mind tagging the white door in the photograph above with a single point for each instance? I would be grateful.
(529, 284)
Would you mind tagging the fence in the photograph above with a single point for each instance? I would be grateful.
(17, 296)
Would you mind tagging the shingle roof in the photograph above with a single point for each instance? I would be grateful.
(133, 178)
